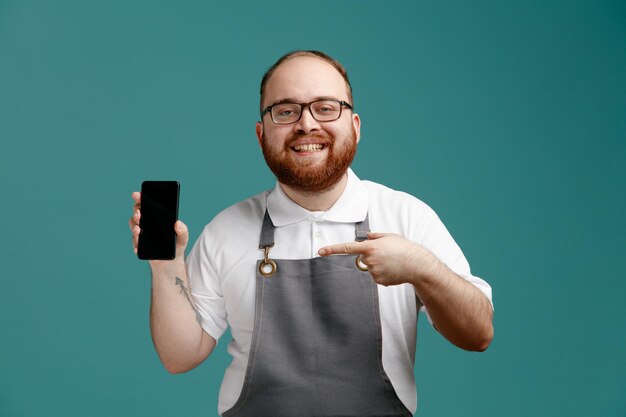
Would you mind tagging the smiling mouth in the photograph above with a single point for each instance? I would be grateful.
(309, 147)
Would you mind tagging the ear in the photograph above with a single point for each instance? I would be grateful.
(259, 132)
(356, 122)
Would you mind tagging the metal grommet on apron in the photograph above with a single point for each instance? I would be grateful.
(316, 348)
(360, 264)
(267, 263)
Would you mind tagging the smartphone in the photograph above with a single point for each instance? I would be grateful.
(159, 212)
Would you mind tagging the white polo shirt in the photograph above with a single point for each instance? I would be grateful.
(222, 268)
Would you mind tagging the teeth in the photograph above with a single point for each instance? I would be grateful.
(310, 147)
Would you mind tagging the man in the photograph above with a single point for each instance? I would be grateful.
(323, 313)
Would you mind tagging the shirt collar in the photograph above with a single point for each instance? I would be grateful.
(351, 207)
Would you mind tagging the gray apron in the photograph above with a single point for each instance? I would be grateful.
(316, 347)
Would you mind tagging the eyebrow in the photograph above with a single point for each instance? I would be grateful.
(293, 100)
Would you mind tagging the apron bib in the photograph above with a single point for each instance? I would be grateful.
(316, 346)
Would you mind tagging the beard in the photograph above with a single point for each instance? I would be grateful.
(307, 175)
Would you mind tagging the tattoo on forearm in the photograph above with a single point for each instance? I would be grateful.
(184, 291)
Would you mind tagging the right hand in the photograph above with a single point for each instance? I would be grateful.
(182, 234)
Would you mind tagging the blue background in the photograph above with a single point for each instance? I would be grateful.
(508, 118)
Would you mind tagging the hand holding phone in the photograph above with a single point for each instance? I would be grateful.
(154, 220)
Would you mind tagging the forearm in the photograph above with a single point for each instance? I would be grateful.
(459, 310)
(175, 322)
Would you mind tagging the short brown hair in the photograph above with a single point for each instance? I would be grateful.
(316, 54)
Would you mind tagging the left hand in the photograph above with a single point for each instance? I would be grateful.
(390, 258)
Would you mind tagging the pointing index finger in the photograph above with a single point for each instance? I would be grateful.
(342, 248)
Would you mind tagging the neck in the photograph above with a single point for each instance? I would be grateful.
(316, 200)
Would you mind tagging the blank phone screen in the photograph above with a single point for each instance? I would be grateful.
(159, 212)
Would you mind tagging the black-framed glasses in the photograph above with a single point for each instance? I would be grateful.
(321, 110)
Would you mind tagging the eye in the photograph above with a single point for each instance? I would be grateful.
(285, 110)
(325, 107)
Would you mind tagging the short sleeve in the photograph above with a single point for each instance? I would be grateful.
(435, 237)
(205, 287)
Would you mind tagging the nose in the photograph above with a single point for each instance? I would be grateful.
(307, 123)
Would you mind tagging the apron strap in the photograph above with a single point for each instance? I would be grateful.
(267, 232)
(361, 229)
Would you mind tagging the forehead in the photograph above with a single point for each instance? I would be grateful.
(303, 78)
